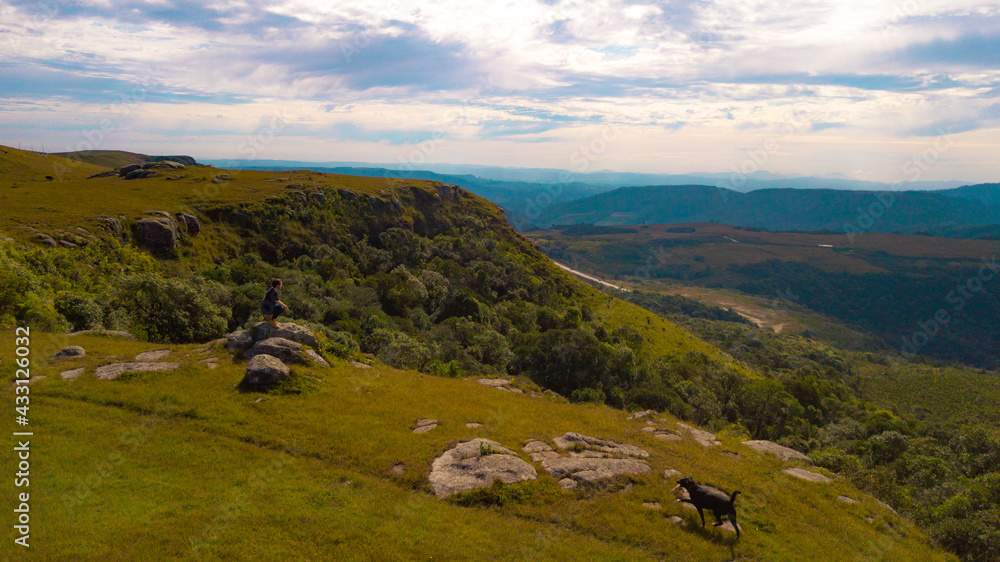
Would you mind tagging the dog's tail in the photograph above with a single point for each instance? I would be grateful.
(732, 498)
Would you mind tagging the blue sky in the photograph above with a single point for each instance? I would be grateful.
(851, 87)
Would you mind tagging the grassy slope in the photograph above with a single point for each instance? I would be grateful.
(185, 468)
(164, 462)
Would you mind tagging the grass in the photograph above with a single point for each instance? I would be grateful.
(182, 464)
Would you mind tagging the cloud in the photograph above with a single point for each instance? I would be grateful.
(976, 51)
(986, 118)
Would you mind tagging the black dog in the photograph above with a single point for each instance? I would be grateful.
(707, 497)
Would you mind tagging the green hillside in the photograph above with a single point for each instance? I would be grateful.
(432, 287)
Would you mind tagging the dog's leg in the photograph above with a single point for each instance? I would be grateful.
(732, 519)
(702, 513)
(718, 519)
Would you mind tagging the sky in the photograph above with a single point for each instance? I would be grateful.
(881, 91)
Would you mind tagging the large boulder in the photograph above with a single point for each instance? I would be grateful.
(156, 233)
(286, 350)
(190, 223)
(239, 340)
(476, 464)
(70, 351)
(139, 174)
(125, 170)
(265, 370)
(288, 330)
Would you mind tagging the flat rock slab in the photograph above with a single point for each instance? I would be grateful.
(592, 470)
(667, 436)
(701, 436)
(536, 447)
(807, 475)
(473, 425)
(574, 440)
(782, 452)
(671, 474)
(676, 520)
(359, 365)
(846, 499)
(424, 425)
(477, 464)
(640, 415)
(651, 505)
(568, 484)
(115, 370)
(72, 374)
(154, 355)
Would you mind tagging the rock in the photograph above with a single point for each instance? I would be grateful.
(265, 370)
(727, 527)
(72, 374)
(476, 464)
(190, 222)
(164, 165)
(156, 234)
(845, 499)
(568, 484)
(107, 174)
(536, 447)
(593, 469)
(887, 506)
(701, 436)
(111, 333)
(319, 197)
(70, 351)
(289, 331)
(651, 505)
(285, 350)
(667, 436)
(46, 239)
(155, 355)
(221, 178)
(347, 194)
(783, 453)
(397, 469)
(424, 425)
(110, 224)
(807, 475)
(139, 174)
(115, 370)
(239, 340)
(672, 475)
(573, 440)
(473, 425)
(67, 244)
(124, 170)
(316, 358)
(358, 365)
(494, 383)
(648, 429)
(676, 520)
(640, 415)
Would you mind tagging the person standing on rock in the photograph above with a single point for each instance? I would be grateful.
(272, 306)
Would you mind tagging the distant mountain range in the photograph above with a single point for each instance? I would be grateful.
(605, 179)
(952, 212)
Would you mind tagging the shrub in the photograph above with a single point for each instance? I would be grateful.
(175, 310)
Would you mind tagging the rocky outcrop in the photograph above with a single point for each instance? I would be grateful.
(70, 352)
(115, 370)
(125, 170)
(140, 174)
(288, 331)
(111, 225)
(286, 350)
(592, 470)
(265, 370)
(502, 384)
(587, 460)
(783, 453)
(580, 443)
(158, 234)
(168, 165)
(701, 436)
(477, 464)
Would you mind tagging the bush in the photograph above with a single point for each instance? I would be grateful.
(82, 312)
(175, 310)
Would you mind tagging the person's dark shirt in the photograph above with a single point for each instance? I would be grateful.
(271, 297)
